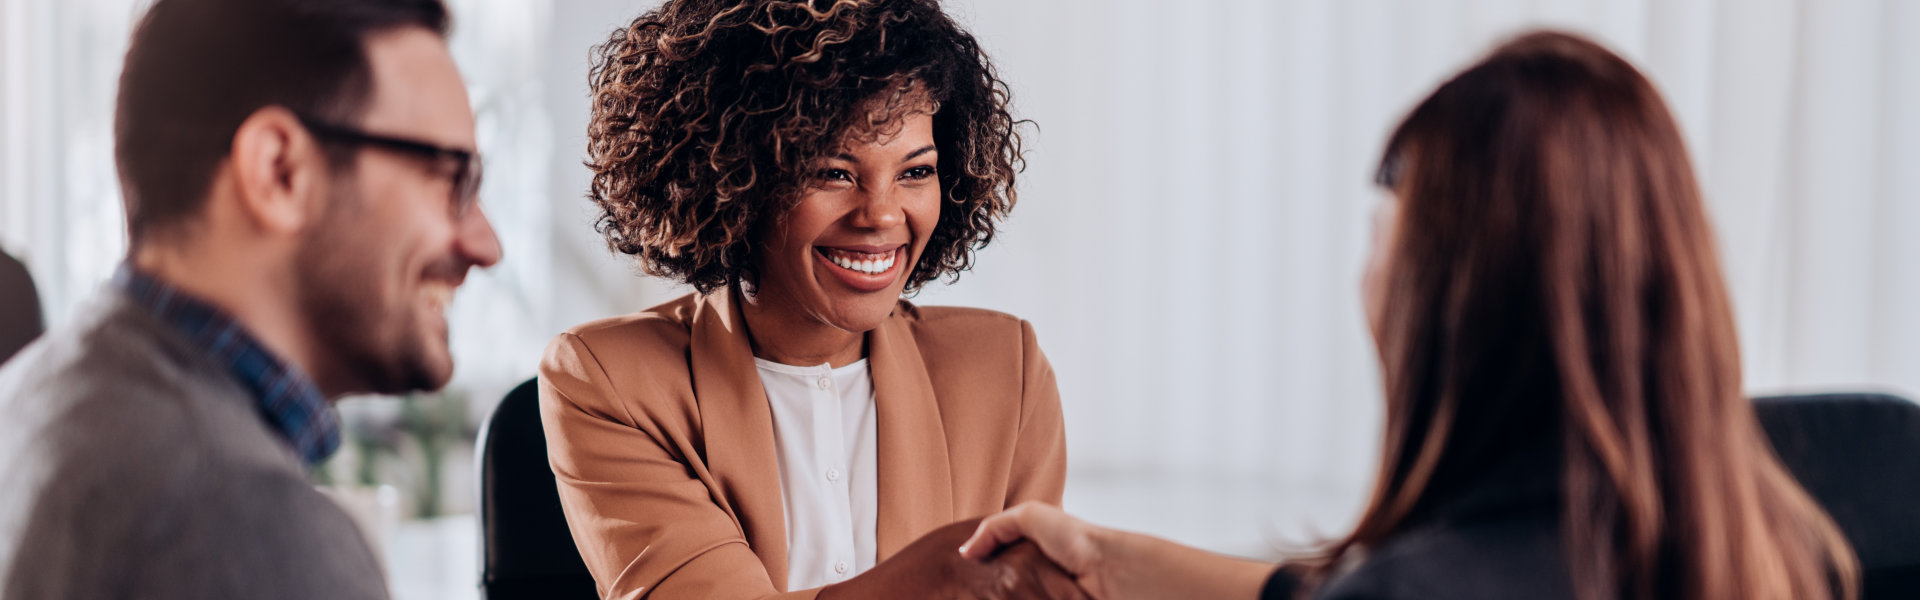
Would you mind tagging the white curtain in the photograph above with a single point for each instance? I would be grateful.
(1193, 221)
(59, 197)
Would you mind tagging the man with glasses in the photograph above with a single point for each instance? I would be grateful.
(300, 186)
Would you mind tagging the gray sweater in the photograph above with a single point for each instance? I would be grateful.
(132, 466)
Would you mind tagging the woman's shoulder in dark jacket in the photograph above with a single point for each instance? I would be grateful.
(1499, 539)
(1520, 555)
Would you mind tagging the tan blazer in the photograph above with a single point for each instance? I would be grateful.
(662, 440)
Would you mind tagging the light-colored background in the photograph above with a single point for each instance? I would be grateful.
(1191, 226)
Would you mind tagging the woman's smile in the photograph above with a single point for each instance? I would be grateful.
(863, 268)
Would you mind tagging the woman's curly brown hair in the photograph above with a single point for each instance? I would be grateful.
(708, 114)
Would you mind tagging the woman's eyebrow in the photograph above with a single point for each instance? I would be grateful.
(916, 153)
(849, 157)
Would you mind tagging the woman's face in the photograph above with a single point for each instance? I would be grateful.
(1386, 223)
(842, 255)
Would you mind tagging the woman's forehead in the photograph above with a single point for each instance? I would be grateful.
(906, 128)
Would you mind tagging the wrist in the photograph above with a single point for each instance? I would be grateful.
(1108, 555)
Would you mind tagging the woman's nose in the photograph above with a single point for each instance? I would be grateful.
(879, 209)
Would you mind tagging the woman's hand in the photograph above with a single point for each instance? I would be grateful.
(1071, 543)
(928, 568)
(1116, 565)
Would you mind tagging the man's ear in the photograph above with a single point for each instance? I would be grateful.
(280, 171)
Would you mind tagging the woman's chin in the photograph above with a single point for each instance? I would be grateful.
(861, 315)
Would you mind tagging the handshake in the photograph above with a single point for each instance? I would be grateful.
(1036, 551)
(931, 567)
(994, 561)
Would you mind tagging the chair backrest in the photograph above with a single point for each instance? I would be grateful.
(527, 550)
(1859, 455)
(20, 320)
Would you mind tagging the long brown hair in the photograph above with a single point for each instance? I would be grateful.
(1552, 289)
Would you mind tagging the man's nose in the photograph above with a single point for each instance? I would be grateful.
(477, 242)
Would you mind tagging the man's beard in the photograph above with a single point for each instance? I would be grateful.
(373, 347)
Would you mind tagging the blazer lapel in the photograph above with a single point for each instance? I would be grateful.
(916, 482)
(738, 425)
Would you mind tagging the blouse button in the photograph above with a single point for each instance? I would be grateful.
(833, 474)
(840, 567)
(826, 383)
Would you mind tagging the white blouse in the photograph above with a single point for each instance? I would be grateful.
(824, 426)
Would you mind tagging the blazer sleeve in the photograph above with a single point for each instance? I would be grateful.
(646, 526)
(1040, 451)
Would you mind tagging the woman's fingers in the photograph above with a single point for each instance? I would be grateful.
(1038, 576)
(1079, 549)
(1053, 530)
(996, 531)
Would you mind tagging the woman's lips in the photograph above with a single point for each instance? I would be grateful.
(863, 268)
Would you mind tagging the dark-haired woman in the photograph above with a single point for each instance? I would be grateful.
(794, 424)
(1564, 414)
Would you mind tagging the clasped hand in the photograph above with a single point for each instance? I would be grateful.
(931, 568)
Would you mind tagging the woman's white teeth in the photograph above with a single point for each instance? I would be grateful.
(864, 263)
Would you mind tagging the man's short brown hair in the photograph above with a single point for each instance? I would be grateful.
(196, 69)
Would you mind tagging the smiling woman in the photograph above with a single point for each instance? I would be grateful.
(835, 265)
(795, 426)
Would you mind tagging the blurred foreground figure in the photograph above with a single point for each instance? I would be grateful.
(1564, 414)
(299, 179)
(20, 320)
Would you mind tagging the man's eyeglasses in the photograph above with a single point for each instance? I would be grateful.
(465, 165)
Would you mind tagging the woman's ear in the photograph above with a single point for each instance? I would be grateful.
(279, 172)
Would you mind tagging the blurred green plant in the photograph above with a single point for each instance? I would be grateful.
(407, 448)
(434, 422)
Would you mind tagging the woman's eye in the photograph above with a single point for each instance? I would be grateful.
(833, 175)
(917, 173)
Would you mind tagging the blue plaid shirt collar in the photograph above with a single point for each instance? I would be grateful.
(286, 397)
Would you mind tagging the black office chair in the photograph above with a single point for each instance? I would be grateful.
(1859, 455)
(20, 320)
(528, 551)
